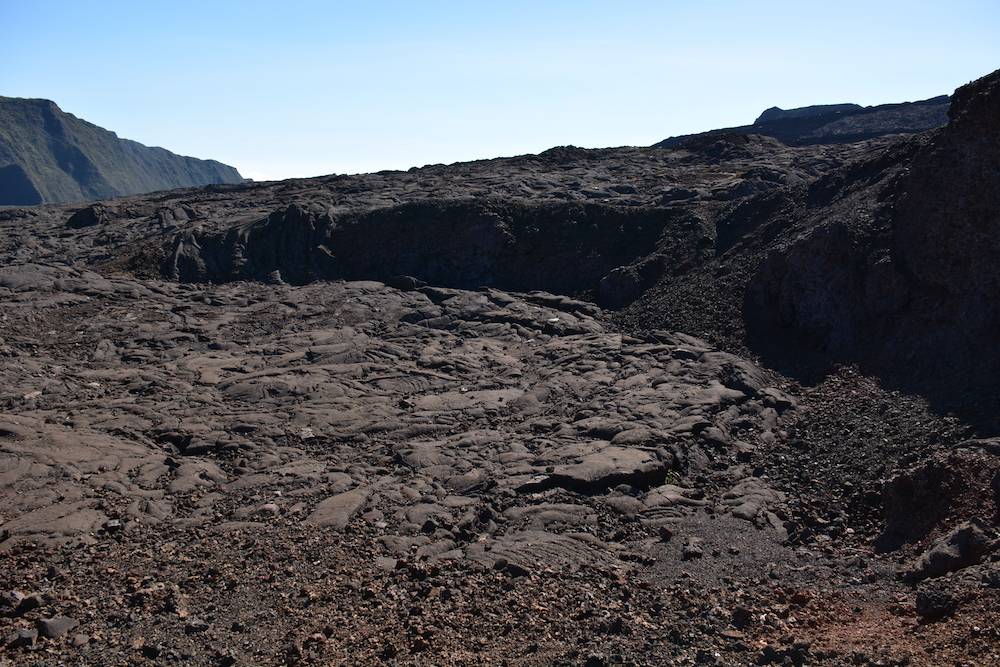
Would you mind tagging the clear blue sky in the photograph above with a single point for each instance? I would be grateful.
(303, 87)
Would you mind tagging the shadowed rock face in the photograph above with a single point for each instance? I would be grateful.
(563, 248)
(47, 156)
(947, 233)
(911, 282)
(16, 187)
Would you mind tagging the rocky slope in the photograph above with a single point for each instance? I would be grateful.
(913, 285)
(48, 156)
(624, 406)
(875, 262)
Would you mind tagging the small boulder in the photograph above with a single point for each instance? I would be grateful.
(91, 216)
(620, 287)
(55, 627)
(934, 604)
(28, 603)
(692, 548)
(964, 546)
(269, 509)
(11, 599)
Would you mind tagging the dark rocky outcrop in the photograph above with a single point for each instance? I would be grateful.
(89, 216)
(918, 502)
(50, 156)
(564, 248)
(902, 274)
(815, 111)
(946, 236)
(962, 547)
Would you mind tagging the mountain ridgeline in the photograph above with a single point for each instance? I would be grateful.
(834, 123)
(50, 156)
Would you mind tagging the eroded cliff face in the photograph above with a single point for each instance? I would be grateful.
(902, 273)
(50, 156)
(947, 233)
(564, 248)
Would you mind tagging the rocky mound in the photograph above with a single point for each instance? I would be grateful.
(47, 155)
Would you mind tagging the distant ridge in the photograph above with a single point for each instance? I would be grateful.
(835, 123)
(50, 156)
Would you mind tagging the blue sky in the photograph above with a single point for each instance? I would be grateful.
(302, 87)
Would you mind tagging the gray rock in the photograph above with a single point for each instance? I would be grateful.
(11, 599)
(336, 511)
(385, 563)
(963, 546)
(91, 216)
(607, 468)
(934, 604)
(55, 627)
(692, 548)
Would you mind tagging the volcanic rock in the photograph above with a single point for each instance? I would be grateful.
(532, 409)
(962, 547)
(55, 627)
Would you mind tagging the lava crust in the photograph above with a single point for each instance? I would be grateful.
(728, 402)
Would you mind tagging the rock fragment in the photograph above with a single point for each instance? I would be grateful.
(55, 627)
(965, 545)
(23, 638)
(337, 511)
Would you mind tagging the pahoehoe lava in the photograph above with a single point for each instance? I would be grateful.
(730, 400)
